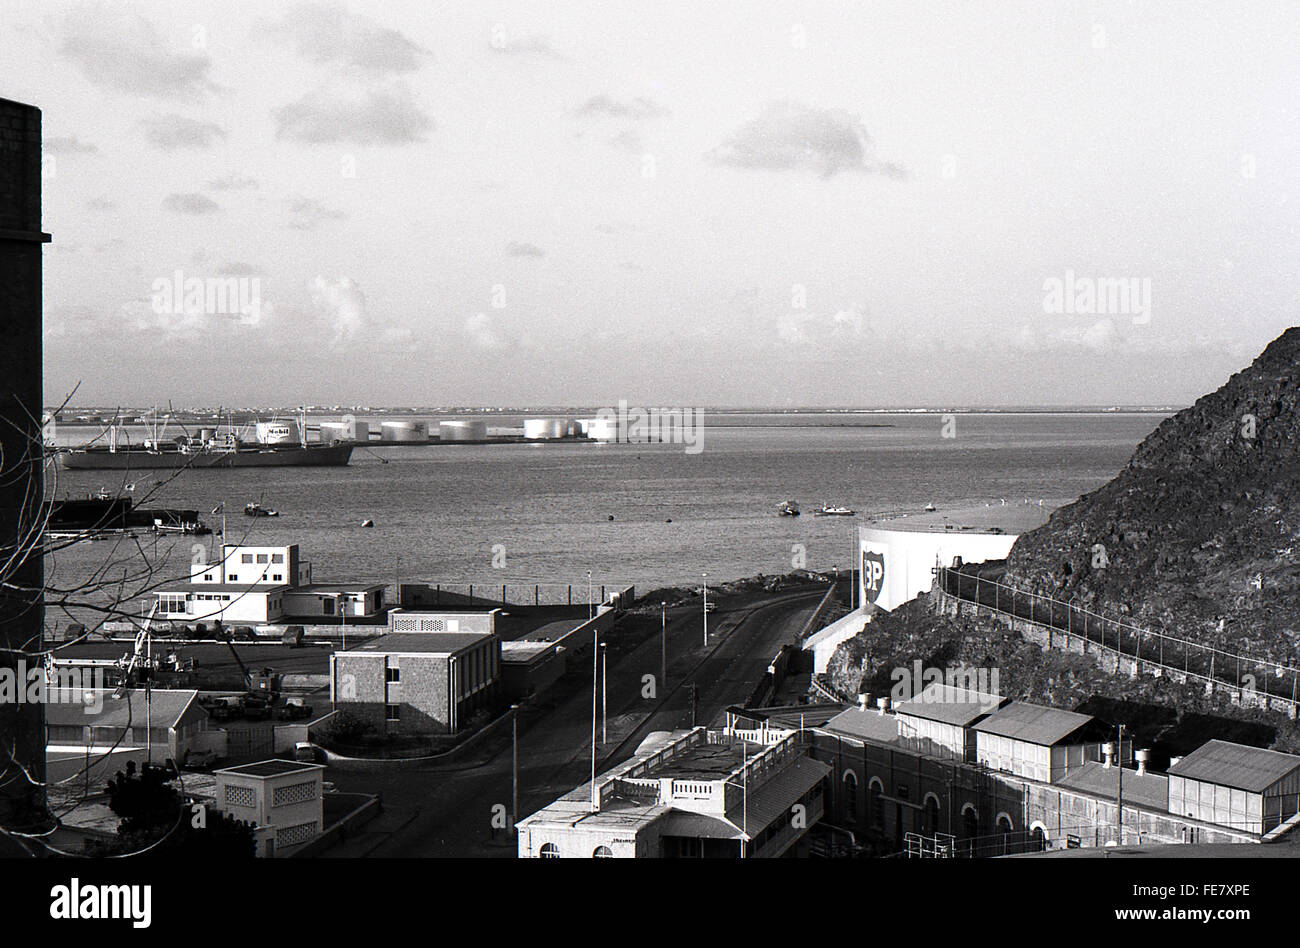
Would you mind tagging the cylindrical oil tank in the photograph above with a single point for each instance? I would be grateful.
(331, 431)
(543, 428)
(462, 431)
(275, 432)
(602, 429)
(404, 431)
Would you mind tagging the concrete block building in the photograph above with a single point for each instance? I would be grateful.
(1249, 788)
(284, 799)
(418, 682)
(1042, 743)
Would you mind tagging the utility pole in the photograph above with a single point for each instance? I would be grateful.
(595, 648)
(514, 765)
(604, 686)
(706, 608)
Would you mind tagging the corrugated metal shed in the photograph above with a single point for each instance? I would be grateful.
(167, 707)
(1239, 766)
(865, 725)
(1034, 723)
(949, 704)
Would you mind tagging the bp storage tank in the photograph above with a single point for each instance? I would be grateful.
(404, 431)
(544, 429)
(462, 431)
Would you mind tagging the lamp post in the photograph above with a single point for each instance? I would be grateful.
(663, 646)
(588, 595)
(514, 765)
(604, 685)
(595, 649)
(706, 607)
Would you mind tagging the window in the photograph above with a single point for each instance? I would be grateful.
(392, 674)
(850, 795)
(602, 852)
(392, 712)
(549, 851)
(877, 805)
(931, 814)
(294, 835)
(246, 558)
(277, 557)
(294, 793)
(261, 557)
(327, 606)
(233, 578)
(276, 577)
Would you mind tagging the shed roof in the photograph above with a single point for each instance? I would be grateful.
(865, 725)
(949, 704)
(1239, 766)
(428, 643)
(67, 707)
(1033, 723)
(1096, 778)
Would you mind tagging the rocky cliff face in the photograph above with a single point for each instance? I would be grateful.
(1201, 530)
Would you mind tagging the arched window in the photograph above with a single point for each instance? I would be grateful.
(931, 813)
(1037, 838)
(549, 851)
(877, 795)
(602, 852)
(970, 822)
(850, 795)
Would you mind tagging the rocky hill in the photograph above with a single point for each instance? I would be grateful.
(1201, 530)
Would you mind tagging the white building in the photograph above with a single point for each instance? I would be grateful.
(284, 799)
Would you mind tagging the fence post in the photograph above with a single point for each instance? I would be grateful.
(536, 593)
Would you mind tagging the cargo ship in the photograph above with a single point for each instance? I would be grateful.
(209, 449)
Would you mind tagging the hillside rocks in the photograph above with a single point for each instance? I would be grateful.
(1200, 531)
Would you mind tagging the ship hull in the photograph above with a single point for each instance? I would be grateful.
(102, 459)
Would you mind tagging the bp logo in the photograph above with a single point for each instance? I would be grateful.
(873, 574)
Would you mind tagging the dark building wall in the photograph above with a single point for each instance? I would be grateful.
(22, 612)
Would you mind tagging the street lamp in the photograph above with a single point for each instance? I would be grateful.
(663, 646)
(604, 684)
(706, 607)
(514, 765)
(588, 595)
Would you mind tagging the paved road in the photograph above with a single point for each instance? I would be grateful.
(448, 811)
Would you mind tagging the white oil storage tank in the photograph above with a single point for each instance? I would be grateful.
(601, 429)
(348, 429)
(275, 432)
(404, 431)
(544, 428)
(462, 431)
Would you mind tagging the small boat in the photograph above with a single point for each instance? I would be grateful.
(828, 511)
(367, 523)
(257, 510)
(930, 508)
(787, 508)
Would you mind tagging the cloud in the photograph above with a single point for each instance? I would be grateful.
(192, 203)
(122, 51)
(232, 181)
(68, 145)
(517, 249)
(329, 34)
(638, 109)
(170, 132)
(370, 117)
(790, 136)
(802, 328)
(342, 304)
(484, 333)
(235, 268)
(306, 214)
(534, 46)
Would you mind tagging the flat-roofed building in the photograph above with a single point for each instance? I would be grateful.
(1038, 742)
(687, 794)
(443, 620)
(941, 719)
(1233, 785)
(284, 799)
(418, 682)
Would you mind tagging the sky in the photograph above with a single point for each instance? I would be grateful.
(668, 203)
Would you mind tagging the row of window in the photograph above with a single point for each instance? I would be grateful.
(551, 851)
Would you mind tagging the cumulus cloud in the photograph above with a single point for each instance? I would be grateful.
(387, 116)
(122, 51)
(484, 333)
(68, 145)
(342, 305)
(329, 34)
(306, 214)
(232, 181)
(799, 328)
(638, 109)
(170, 132)
(791, 136)
(518, 249)
(192, 203)
(533, 46)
